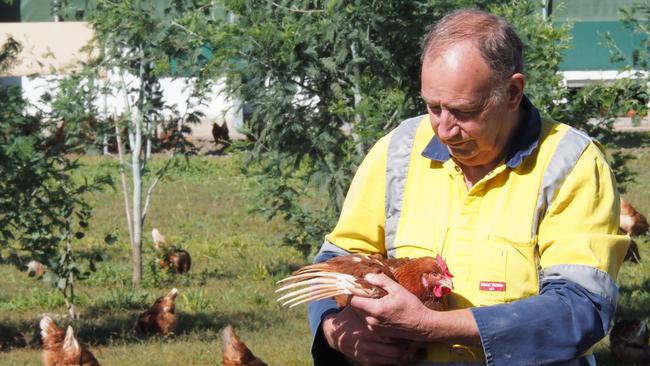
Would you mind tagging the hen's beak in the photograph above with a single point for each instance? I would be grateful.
(446, 282)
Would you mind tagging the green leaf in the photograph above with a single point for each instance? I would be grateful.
(61, 284)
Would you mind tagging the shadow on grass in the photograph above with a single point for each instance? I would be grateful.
(633, 301)
(101, 326)
(628, 140)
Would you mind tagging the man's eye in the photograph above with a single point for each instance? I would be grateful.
(465, 113)
(434, 109)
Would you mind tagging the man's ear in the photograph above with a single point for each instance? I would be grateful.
(516, 86)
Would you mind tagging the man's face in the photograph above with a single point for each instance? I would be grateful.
(458, 89)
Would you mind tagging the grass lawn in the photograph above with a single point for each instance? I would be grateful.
(236, 259)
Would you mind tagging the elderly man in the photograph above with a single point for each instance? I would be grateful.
(523, 209)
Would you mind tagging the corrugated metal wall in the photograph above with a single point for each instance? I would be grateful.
(40, 10)
(591, 20)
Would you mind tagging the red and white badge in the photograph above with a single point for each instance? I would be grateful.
(491, 286)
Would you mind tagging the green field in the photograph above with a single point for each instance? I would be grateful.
(205, 207)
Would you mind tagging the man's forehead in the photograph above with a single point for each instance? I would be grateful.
(449, 100)
(457, 76)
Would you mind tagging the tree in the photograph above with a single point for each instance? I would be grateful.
(138, 42)
(42, 206)
(324, 80)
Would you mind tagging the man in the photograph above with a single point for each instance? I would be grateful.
(524, 210)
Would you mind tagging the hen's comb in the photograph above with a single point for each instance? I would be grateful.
(443, 265)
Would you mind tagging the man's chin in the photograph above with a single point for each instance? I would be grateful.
(465, 156)
(469, 160)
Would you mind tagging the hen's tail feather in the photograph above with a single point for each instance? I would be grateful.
(318, 287)
(327, 278)
(312, 297)
(321, 285)
(312, 274)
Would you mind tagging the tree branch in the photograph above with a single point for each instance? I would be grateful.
(125, 190)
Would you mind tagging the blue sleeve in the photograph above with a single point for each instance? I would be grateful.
(560, 324)
(322, 353)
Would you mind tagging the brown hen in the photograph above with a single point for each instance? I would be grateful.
(628, 342)
(62, 348)
(234, 351)
(427, 278)
(160, 318)
(35, 268)
(220, 133)
(171, 258)
(632, 222)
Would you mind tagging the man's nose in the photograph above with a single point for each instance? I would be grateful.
(447, 126)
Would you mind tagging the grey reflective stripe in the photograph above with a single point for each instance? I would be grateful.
(425, 363)
(592, 279)
(397, 165)
(329, 247)
(567, 152)
(588, 360)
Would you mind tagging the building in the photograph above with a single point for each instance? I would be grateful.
(52, 44)
(51, 47)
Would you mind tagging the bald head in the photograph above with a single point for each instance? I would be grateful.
(495, 39)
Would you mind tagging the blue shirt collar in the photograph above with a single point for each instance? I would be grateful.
(524, 142)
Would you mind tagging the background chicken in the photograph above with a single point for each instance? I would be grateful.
(220, 133)
(171, 257)
(62, 348)
(628, 341)
(632, 222)
(35, 268)
(161, 316)
(632, 254)
(235, 352)
(427, 278)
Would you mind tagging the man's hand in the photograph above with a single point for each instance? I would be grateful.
(350, 335)
(399, 314)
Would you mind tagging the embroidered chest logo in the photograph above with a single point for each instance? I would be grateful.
(492, 286)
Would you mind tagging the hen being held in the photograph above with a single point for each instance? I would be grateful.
(161, 316)
(427, 278)
(340, 277)
(62, 348)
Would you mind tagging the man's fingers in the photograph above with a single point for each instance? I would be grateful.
(377, 352)
(383, 281)
(380, 280)
(366, 305)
